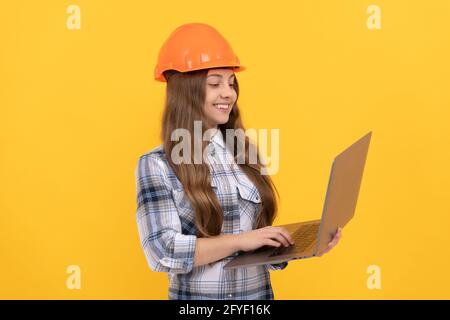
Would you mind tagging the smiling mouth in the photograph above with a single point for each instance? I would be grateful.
(221, 106)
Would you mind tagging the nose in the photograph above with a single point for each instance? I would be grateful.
(227, 92)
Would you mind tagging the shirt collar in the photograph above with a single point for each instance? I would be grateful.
(218, 139)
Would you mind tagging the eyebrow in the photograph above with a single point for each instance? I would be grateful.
(219, 75)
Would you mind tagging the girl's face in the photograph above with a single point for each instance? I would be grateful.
(220, 96)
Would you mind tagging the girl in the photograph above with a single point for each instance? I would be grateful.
(194, 216)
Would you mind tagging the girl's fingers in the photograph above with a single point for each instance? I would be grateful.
(272, 243)
(337, 237)
(280, 239)
(332, 243)
(285, 234)
(288, 238)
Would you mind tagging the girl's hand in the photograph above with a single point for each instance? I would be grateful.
(333, 242)
(267, 236)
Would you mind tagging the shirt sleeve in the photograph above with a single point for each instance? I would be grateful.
(278, 266)
(166, 248)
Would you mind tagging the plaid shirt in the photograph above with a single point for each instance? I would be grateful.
(167, 229)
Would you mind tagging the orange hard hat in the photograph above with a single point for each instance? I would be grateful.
(195, 46)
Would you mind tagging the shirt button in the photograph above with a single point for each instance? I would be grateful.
(230, 295)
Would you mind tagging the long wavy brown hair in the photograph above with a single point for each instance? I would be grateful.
(185, 98)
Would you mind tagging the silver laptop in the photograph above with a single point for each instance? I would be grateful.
(312, 237)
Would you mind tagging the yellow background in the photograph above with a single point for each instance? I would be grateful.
(78, 108)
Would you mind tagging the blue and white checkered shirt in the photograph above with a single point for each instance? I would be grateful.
(167, 230)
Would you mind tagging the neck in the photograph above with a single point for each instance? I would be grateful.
(211, 132)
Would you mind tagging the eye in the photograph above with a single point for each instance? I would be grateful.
(214, 84)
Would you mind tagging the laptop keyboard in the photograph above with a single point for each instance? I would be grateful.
(303, 238)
